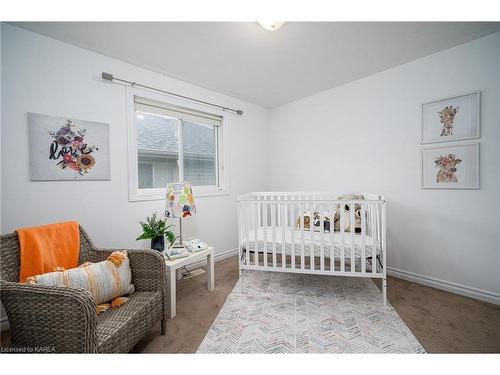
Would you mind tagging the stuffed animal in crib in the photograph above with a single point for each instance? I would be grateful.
(347, 217)
(316, 222)
(347, 213)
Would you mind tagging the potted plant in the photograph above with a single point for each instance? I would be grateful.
(156, 230)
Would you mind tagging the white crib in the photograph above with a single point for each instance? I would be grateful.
(273, 234)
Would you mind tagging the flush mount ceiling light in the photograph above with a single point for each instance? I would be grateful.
(271, 25)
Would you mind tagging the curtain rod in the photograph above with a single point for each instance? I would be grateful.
(110, 77)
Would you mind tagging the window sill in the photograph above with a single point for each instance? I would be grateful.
(159, 194)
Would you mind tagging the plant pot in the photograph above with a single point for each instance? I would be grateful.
(158, 243)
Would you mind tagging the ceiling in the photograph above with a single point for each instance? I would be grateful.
(269, 68)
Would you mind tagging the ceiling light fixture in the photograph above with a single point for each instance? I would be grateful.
(271, 25)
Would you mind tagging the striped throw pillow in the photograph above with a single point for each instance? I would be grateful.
(107, 281)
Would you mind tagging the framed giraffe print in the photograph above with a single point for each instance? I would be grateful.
(451, 167)
(452, 119)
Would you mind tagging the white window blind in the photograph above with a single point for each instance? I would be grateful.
(163, 109)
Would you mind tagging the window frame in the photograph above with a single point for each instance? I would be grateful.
(136, 194)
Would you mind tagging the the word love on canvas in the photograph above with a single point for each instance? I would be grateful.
(67, 149)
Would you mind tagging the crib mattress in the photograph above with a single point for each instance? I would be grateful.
(284, 244)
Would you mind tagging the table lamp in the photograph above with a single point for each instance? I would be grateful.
(179, 204)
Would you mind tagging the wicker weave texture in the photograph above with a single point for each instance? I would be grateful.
(64, 319)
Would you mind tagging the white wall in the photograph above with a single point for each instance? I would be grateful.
(43, 75)
(364, 136)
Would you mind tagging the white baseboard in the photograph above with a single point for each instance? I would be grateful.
(218, 257)
(226, 254)
(448, 286)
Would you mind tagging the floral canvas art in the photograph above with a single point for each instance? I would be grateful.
(67, 149)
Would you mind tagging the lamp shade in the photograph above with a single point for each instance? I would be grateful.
(179, 200)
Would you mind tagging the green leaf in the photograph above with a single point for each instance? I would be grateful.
(170, 237)
(144, 236)
(153, 227)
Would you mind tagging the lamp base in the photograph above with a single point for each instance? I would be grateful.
(179, 244)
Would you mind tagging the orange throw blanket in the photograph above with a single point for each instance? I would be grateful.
(47, 248)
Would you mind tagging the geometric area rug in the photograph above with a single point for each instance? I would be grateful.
(275, 312)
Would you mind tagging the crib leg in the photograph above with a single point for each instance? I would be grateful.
(384, 290)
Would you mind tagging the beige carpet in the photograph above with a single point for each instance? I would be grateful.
(443, 322)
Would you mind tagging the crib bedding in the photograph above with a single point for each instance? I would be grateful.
(308, 244)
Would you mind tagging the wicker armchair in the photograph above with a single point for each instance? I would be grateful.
(64, 319)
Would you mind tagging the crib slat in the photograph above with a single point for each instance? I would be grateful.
(247, 233)
(342, 235)
(379, 237)
(240, 233)
(283, 235)
(259, 212)
(311, 231)
(273, 231)
(353, 244)
(264, 225)
(374, 235)
(383, 249)
(363, 238)
(255, 235)
(292, 234)
(302, 257)
(250, 233)
(258, 225)
(332, 238)
(278, 212)
(377, 222)
(322, 239)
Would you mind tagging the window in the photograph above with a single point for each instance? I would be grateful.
(157, 150)
(199, 145)
(175, 144)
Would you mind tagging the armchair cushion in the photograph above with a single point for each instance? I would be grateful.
(119, 330)
(148, 267)
(105, 280)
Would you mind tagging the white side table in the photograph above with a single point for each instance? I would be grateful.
(172, 267)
